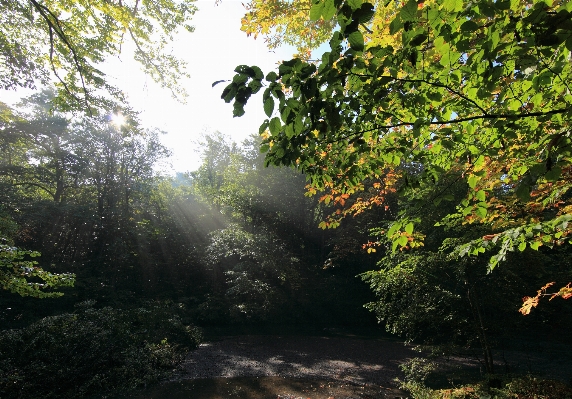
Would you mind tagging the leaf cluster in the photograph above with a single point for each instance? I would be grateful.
(477, 91)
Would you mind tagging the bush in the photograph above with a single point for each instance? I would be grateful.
(515, 388)
(92, 351)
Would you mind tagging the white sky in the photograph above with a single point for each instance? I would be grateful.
(212, 52)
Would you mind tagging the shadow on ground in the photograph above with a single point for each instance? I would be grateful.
(266, 388)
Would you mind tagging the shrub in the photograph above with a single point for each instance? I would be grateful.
(92, 351)
(516, 388)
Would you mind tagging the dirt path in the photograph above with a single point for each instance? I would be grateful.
(358, 361)
(288, 367)
(310, 367)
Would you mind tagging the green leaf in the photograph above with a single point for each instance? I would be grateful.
(365, 13)
(523, 192)
(257, 73)
(409, 11)
(481, 212)
(263, 127)
(355, 4)
(569, 43)
(238, 109)
(395, 25)
(269, 106)
(453, 5)
(264, 148)
(275, 126)
(472, 181)
(418, 40)
(553, 174)
(335, 41)
(402, 241)
(316, 10)
(481, 196)
(503, 5)
(435, 96)
(469, 27)
(279, 153)
(522, 246)
(272, 76)
(356, 41)
(394, 227)
(229, 92)
(409, 228)
(329, 10)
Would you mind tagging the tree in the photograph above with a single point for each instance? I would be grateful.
(69, 39)
(83, 192)
(430, 296)
(19, 271)
(217, 152)
(50, 164)
(474, 89)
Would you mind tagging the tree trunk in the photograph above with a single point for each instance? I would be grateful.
(478, 317)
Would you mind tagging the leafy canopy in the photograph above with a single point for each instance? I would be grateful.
(438, 88)
(288, 22)
(67, 40)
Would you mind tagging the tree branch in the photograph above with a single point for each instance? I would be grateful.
(54, 26)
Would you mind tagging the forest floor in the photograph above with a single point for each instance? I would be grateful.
(334, 366)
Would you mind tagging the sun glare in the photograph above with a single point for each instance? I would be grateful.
(117, 120)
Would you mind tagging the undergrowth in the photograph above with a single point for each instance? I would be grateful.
(417, 371)
(93, 352)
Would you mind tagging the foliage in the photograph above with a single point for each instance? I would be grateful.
(70, 39)
(87, 195)
(416, 371)
(429, 296)
(416, 302)
(20, 275)
(258, 270)
(217, 155)
(439, 88)
(532, 302)
(269, 263)
(518, 387)
(286, 22)
(309, 24)
(93, 351)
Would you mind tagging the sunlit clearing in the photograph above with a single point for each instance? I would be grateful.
(118, 120)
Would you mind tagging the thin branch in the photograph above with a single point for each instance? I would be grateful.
(436, 84)
(366, 29)
(54, 26)
(147, 58)
(35, 185)
(458, 120)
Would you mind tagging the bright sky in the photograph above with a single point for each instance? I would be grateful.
(212, 51)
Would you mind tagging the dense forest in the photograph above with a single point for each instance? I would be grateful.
(416, 178)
